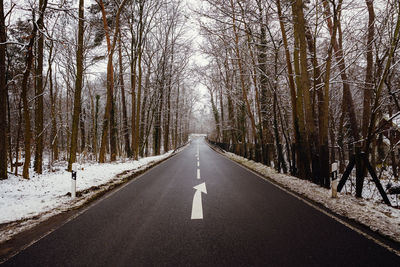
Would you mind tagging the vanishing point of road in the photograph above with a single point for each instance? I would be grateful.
(198, 208)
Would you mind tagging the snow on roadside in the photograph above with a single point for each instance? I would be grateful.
(34, 200)
(377, 216)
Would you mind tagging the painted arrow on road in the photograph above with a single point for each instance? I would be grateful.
(197, 207)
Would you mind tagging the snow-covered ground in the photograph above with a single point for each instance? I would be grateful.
(370, 212)
(25, 203)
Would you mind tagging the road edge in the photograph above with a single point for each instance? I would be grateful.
(362, 229)
(41, 229)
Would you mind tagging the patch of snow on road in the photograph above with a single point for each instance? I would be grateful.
(46, 194)
(377, 216)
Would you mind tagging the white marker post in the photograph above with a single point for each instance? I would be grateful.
(334, 169)
(73, 180)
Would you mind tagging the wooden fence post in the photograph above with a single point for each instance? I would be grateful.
(359, 172)
(346, 173)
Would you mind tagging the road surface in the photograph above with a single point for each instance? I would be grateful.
(232, 218)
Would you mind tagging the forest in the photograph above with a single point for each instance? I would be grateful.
(208, 132)
(299, 85)
(92, 80)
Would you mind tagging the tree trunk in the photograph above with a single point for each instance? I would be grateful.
(293, 97)
(304, 83)
(96, 126)
(38, 164)
(113, 130)
(149, 122)
(157, 123)
(379, 89)
(302, 145)
(167, 115)
(176, 143)
(17, 149)
(229, 88)
(110, 84)
(139, 91)
(143, 114)
(281, 159)
(78, 87)
(369, 78)
(265, 95)
(241, 75)
(82, 119)
(53, 100)
(3, 96)
(24, 93)
(347, 97)
(322, 175)
(323, 108)
(9, 141)
(125, 129)
(215, 113)
(133, 89)
(167, 119)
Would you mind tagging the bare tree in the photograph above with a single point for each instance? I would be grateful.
(3, 96)
(78, 87)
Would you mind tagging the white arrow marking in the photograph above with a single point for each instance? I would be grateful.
(198, 173)
(197, 207)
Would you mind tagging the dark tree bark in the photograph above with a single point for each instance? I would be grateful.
(9, 143)
(304, 84)
(143, 114)
(38, 164)
(24, 93)
(113, 131)
(82, 119)
(241, 75)
(348, 104)
(265, 99)
(176, 142)
(157, 122)
(96, 126)
(140, 74)
(78, 87)
(323, 107)
(125, 129)
(293, 96)
(215, 113)
(369, 78)
(3, 96)
(167, 112)
(53, 100)
(17, 148)
(133, 78)
(110, 85)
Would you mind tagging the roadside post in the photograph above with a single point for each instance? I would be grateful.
(334, 169)
(73, 180)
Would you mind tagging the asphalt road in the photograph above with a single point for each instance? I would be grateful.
(246, 222)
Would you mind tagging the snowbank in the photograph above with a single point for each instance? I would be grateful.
(377, 216)
(31, 201)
